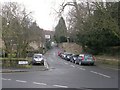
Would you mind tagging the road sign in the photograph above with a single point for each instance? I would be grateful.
(23, 62)
(47, 36)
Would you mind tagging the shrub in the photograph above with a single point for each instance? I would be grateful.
(63, 39)
(13, 63)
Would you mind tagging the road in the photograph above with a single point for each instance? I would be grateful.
(62, 74)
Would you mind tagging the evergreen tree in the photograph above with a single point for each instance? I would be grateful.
(60, 30)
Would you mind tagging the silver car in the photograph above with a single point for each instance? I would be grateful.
(38, 59)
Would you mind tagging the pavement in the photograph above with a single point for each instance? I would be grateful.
(32, 69)
(63, 74)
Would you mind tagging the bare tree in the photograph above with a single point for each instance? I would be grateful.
(15, 28)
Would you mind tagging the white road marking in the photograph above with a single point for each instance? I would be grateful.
(21, 81)
(94, 72)
(66, 63)
(5, 79)
(72, 65)
(82, 69)
(104, 75)
(39, 83)
(100, 74)
(8, 79)
(60, 86)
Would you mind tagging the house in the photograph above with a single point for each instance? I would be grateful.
(48, 34)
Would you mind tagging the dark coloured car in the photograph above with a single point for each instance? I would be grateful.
(77, 60)
(68, 57)
(74, 58)
(64, 55)
(86, 59)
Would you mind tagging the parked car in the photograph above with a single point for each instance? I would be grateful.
(59, 53)
(86, 59)
(78, 60)
(68, 56)
(64, 55)
(38, 59)
(74, 58)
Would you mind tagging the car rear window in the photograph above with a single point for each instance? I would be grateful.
(88, 57)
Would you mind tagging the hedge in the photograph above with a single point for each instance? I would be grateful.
(13, 63)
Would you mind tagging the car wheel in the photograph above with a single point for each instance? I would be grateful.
(42, 64)
(72, 61)
(75, 62)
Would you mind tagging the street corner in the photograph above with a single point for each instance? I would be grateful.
(33, 68)
(12, 71)
(46, 64)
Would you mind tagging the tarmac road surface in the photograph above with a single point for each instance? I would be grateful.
(62, 74)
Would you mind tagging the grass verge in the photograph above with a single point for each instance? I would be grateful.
(110, 63)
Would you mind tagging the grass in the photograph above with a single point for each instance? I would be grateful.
(110, 63)
(108, 60)
(24, 66)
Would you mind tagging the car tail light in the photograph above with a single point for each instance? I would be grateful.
(82, 58)
(58, 53)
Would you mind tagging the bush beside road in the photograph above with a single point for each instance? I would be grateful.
(14, 63)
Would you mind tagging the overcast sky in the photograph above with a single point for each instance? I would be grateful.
(43, 11)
